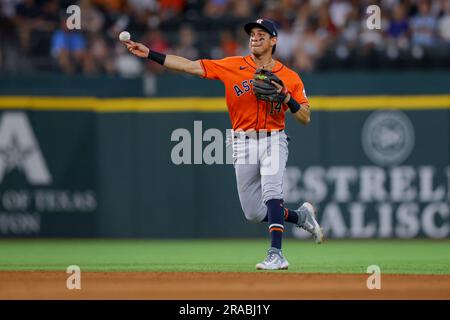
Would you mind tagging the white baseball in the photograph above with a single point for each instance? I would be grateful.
(124, 36)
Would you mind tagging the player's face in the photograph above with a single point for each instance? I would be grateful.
(260, 42)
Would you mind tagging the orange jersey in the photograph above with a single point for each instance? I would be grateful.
(246, 112)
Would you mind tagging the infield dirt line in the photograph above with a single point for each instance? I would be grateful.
(221, 285)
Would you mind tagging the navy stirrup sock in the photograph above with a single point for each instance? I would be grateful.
(289, 216)
(276, 224)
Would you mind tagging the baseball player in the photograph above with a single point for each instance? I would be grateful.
(259, 91)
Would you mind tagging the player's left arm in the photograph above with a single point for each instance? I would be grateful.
(303, 115)
(300, 111)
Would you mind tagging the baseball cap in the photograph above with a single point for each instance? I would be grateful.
(265, 24)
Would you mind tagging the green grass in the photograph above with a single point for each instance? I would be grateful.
(344, 256)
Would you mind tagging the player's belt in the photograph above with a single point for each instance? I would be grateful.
(256, 134)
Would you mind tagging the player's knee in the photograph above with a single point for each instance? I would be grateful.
(272, 193)
(254, 215)
(255, 218)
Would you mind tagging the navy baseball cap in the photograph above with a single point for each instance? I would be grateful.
(265, 24)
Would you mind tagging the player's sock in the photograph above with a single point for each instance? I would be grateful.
(289, 216)
(275, 218)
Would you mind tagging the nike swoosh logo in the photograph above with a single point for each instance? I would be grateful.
(242, 68)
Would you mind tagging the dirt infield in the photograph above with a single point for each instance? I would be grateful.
(265, 285)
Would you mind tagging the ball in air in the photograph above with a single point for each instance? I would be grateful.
(124, 36)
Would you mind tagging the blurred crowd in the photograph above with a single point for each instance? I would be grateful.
(313, 35)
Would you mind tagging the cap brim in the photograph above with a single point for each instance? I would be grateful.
(249, 26)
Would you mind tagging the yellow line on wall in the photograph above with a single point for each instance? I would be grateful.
(381, 102)
(114, 105)
(198, 104)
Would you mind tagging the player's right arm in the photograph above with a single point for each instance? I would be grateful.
(172, 62)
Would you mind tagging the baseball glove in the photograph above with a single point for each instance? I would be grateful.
(264, 89)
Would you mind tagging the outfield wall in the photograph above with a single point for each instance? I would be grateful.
(90, 167)
(338, 83)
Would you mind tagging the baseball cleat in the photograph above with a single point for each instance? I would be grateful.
(310, 224)
(273, 261)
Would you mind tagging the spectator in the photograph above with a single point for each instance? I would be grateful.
(242, 40)
(8, 8)
(313, 33)
(115, 17)
(339, 11)
(127, 65)
(241, 9)
(228, 44)
(155, 40)
(7, 30)
(311, 47)
(423, 26)
(186, 47)
(286, 42)
(93, 20)
(144, 12)
(444, 23)
(69, 48)
(325, 21)
(111, 5)
(98, 57)
(215, 8)
(139, 6)
(27, 15)
(171, 8)
(398, 26)
(352, 30)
